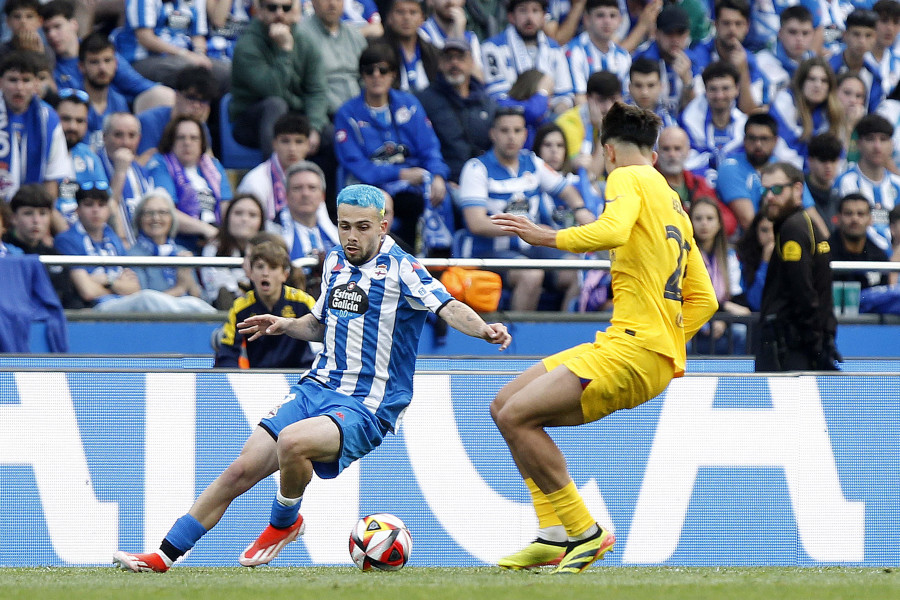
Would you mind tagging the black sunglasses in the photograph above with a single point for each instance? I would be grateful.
(370, 69)
(775, 189)
(286, 8)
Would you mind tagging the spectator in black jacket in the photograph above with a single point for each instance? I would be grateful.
(850, 241)
(458, 106)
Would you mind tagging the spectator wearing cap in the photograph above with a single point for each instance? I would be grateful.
(195, 89)
(418, 58)
(870, 177)
(448, 20)
(340, 45)
(856, 58)
(61, 31)
(523, 46)
(458, 106)
(72, 109)
(276, 69)
(676, 61)
(594, 49)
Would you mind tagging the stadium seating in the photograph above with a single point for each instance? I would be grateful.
(234, 155)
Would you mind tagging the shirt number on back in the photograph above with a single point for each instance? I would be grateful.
(673, 284)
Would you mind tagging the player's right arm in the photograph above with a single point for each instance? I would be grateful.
(700, 301)
(307, 327)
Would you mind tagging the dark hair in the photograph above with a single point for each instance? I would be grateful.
(92, 193)
(12, 5)
(861, 17)
(645, 66)
(526, 84)
(199, 79)
(854, 197)
(796, 13)
(513, 110)
(512, 4)
(748, 250)
(32, 195)
(762, 119)
(291, 123)
(793, 174)
(226, 242)
(887, 9)
(167, 141)
(269, 248)
(631, 125)
(825, 146)
(394, 3)
(604, 84)
(92, 44)
(872, 124)
(379, 52)
(741, 6)
(592, 4)
(23, 61)
(545, 130)
(58, 8)
(718, 69)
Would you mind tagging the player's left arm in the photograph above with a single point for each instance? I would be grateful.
(462, 318)
(307, 327)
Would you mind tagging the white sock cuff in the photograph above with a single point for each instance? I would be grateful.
(287, 501)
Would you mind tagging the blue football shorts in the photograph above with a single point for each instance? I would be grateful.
(361, 431)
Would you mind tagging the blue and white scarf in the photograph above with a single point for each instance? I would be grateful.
(24, 153)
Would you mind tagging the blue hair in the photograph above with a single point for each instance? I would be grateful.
(362, 195)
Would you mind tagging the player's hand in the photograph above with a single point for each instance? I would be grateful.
(497, 334)
(523, 227)
(260, 325)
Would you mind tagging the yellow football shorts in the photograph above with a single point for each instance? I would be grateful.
(614, 374)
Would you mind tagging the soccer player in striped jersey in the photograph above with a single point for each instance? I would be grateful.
(663, 295)
(370, 316)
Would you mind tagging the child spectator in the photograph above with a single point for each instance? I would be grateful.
(268, 269)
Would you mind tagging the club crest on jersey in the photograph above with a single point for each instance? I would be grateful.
(348, 300)
(380, 272)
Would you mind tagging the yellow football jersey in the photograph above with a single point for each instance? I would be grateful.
(662, 293)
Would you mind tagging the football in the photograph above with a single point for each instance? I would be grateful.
(380, 541)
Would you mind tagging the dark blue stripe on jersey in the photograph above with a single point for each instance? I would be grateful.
(370, 334)
(340, 339)
(332, 276)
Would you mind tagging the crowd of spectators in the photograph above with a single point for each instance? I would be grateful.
(111, 130)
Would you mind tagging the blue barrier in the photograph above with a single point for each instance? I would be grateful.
(720, 470)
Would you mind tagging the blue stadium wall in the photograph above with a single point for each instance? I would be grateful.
(722, 469)
(529, 338)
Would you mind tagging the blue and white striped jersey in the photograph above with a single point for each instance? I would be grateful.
(882, 194)
(373, 316)
(174, 22)
(585, 59)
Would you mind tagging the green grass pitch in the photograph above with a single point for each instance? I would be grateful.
(482, 583)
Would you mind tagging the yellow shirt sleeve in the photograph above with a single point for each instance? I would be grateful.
(700, 301)
(613, 228)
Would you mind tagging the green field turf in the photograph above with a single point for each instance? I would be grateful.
(485, 583)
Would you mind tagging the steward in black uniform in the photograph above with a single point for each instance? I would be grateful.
(797, 323)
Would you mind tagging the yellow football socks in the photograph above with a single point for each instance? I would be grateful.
(571, 510)
(545, 513)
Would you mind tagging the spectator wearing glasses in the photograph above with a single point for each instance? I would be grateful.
(61, 31)
(195, 89)
(72, 108)
(276, 69)
(194, 179)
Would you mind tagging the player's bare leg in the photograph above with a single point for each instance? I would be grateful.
(299, 445)
(553, 400)
(256, 461)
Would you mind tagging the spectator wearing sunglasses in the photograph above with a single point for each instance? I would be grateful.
(72, 108)
(61, 31)
(276, 69)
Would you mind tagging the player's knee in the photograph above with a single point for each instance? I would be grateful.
(292, 446)
(240, 476)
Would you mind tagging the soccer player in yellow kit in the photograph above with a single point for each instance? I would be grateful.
(662, 295)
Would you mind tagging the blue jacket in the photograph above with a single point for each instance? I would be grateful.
(374, 153)
(29, 297)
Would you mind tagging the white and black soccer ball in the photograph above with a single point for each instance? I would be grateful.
(380, 541)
